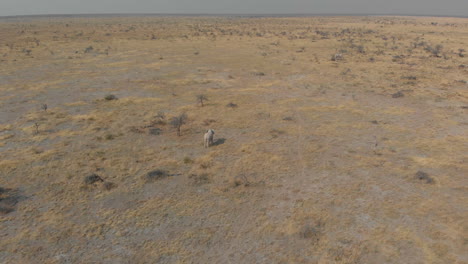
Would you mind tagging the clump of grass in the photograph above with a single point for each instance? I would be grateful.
(37, 150)
(205, 165)
(258, 73)
(109, 137)
(241, 180)
(208, 122)
(199, 179)
(109, 186)
(188, 160)
(276, 133)
(312, 232)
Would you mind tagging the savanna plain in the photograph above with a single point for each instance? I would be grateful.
(337, 139)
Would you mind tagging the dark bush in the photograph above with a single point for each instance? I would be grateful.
(110, 97)
(156, 175)
(8, 200)
(93, 178)
(231, 105)
(155, 131)
(109, 186)
(422, 176)
(310, 232)
(88, 49)
(398, 94)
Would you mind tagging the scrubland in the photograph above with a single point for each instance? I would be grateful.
(337, 140)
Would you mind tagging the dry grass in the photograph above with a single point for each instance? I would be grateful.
(315, 160)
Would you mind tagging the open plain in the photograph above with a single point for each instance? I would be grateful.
(337, 140)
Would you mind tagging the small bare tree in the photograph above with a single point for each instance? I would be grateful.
(44, 107)
(201, 98)
(37, 128)
(178, 121)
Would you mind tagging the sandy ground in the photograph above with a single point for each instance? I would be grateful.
(362, 159)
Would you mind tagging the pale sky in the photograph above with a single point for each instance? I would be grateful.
(403, 7)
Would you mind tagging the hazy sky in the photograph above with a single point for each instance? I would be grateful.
(418, 7)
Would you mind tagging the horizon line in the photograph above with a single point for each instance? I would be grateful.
(229, 14)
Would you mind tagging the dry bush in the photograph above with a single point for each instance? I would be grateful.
(208, 122)
(241, 180)
(178, 121)
(155, 175)
(188, 160)
(92, 179)
(231, 105)
(422, 176)
(109, 186)
(398, 94)
(8, 200)
(110, 97)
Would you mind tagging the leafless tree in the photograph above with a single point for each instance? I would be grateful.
(178, 121)
(201, 98)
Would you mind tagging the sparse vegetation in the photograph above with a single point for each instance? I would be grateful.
(199, 179)
(322, 124)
